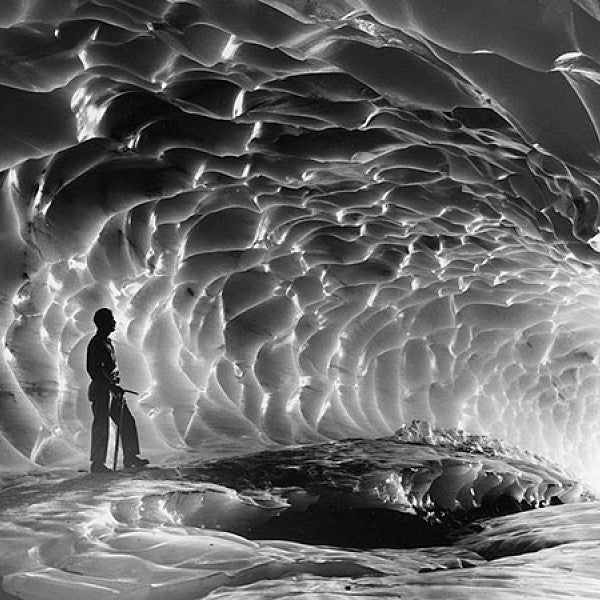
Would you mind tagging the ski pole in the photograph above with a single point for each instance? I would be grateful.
(121, 398)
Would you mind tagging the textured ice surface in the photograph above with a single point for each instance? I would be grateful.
(314, 221)
(348, 523)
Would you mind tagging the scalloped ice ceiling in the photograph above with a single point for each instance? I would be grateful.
(313, 220)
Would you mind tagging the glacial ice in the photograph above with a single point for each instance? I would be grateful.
(314, 222)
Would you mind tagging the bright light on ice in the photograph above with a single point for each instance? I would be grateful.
(230, 48)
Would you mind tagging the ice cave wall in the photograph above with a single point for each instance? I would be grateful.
(312, 220)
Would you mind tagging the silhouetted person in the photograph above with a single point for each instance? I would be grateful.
(102, 368)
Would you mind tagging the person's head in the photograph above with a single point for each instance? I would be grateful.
(104, 320)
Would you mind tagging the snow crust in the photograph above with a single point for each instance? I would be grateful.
(174, 532)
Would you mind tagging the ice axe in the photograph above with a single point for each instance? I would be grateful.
(121, 399)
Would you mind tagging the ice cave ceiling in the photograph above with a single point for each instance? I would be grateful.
(312, 220)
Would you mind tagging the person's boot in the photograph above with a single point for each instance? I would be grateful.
(99, 468)
(135, 462)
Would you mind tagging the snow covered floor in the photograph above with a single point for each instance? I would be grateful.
(161, 533)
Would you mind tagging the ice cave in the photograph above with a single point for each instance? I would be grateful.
(352, 248)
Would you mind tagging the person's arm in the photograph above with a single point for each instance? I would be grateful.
(94, 360)
(95, 365)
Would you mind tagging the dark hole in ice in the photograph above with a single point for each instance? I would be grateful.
(370, 528)
(333, 501)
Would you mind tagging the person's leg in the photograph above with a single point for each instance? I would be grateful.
(99, 396)
(128, 434)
